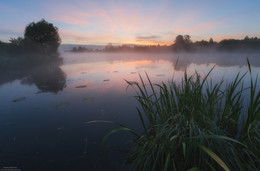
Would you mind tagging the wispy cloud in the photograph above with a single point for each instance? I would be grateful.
(9, 31)
(147, 37)
(198, 28)
(117, 20)
(68, 14)
(85, 38)
(229, 36)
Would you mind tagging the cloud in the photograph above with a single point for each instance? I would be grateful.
(152, 40)
(147, 37)
(9, 31)
(85, 38)
(198, 28)
(109, 17)
(229, 36)
(92, 21)
(68, 14)
(122, 21)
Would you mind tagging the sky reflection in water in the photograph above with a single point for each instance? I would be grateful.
(47, 129)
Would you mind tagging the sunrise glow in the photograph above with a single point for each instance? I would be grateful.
(133, 22)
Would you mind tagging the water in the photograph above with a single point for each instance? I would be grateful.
(45, 110)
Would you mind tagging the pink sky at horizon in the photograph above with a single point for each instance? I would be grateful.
(133, 22)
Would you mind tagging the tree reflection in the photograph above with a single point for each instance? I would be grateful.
(46, 75)
(47, 78)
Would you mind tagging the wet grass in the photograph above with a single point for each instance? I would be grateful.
(196, 125)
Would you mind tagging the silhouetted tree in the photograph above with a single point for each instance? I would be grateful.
(229, 44)
(81, 49)
(44, 35)
(182, 43)
(211, 41)
(246, 38)
(17, 41)
(109, 47)
(187, 39)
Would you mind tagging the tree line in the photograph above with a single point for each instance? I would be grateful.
(123, 48)
(183, 43)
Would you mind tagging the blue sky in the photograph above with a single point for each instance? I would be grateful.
(135, 21)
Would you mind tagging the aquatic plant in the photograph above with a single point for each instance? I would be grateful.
(196, 125)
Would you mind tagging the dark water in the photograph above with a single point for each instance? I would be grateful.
(45, 110)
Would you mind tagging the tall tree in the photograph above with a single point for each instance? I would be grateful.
(44, 35)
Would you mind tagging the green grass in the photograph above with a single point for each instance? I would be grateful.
(196, 125)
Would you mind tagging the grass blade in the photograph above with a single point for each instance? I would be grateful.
(212, 155)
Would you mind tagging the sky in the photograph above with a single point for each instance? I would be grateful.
(149, 22)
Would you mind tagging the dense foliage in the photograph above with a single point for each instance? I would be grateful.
(197, 125)
(44, 35)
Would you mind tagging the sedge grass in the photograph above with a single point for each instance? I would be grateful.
(195, 125)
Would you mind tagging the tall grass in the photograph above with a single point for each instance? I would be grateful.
(196, 125)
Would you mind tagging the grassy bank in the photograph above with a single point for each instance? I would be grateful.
(196, 125)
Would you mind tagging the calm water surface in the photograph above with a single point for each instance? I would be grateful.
(45, 110)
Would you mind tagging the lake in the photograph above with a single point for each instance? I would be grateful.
(46, 110)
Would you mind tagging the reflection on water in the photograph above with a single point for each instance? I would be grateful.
(47, 78)
(45, 108)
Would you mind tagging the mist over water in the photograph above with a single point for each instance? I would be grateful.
(45, 108)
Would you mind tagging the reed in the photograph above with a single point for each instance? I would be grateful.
(196, 125)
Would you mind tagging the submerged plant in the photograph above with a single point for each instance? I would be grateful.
(195, 125)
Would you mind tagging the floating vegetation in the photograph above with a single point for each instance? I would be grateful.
(88, 99)
(99, 121)
(81, 86)
(106, 80)
(40, 92)
(85, 146)
(19, 99)
(62, 105)
(115, 71)
(160, 75)
(133, 72)
(83, 72)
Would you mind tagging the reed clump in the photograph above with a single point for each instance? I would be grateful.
(196, 125)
